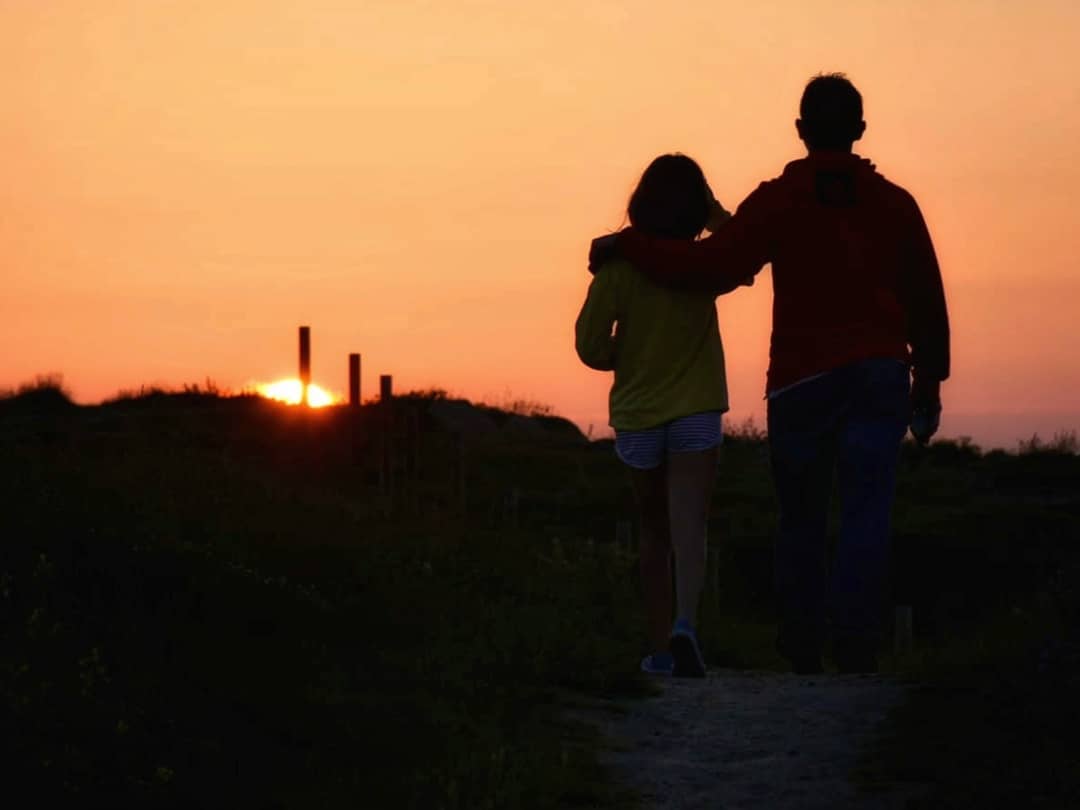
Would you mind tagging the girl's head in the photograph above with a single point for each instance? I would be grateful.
(672, 199)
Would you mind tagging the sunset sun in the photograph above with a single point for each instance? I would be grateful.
(292, 393)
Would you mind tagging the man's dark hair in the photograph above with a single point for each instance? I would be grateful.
(831, 112)
(671, 199)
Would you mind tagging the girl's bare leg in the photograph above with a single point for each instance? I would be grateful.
(651, 493)
(690, 478)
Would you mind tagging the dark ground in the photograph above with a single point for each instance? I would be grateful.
(211, 602)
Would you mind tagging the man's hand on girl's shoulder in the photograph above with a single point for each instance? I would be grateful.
(718, 215)
(603, 249)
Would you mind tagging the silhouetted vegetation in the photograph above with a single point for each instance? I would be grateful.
(46, 393)
(213, 601)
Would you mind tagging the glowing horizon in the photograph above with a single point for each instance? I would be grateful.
(291, 392)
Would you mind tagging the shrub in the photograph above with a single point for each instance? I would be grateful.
(1064, 442)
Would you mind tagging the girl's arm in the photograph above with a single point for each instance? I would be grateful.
(593, 339)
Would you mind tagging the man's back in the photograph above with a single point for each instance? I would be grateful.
(852, 263)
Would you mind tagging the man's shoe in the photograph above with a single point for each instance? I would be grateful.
(689, 662)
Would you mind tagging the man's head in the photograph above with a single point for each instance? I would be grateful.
(830, 113)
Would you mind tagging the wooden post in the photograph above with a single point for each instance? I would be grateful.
(903, 640)
(354, 381)
(305, 363)
(386, 438)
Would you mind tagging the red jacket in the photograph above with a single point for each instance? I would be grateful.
(854, 270)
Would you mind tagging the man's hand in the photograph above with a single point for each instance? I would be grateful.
(602, 250)
(924, 424)
(718, 215)
(925, 409)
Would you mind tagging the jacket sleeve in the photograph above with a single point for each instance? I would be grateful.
(593, 338)
(733, 255)
(924, 300)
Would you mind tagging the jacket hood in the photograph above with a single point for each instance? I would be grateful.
(831, 177)
(829, 161)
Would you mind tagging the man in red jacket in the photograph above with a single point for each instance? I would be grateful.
(858, 304)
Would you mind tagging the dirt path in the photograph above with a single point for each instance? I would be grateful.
(751, 740)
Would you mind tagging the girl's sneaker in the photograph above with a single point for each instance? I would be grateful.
(658, 664)
(685, 652)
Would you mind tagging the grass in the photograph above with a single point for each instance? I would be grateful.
(992, 722)
(206, 602)
(195, 615)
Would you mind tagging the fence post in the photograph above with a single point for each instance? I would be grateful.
(357, 426)
(386, 431)
(354, 381)
(305, 363)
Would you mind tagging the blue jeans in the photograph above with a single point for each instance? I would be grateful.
(848, 422)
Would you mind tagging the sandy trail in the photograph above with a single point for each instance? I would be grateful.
(751, 740)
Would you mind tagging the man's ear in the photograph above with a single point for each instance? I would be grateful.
(799, 129)
(859, 130)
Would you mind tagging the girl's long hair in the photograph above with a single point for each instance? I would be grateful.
(672, 199)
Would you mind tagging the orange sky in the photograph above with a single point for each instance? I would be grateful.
(184, 183)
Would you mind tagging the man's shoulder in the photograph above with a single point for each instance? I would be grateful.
(771, 186)
(900, 202)
(795, 175)
(765, 196)
(894, 190)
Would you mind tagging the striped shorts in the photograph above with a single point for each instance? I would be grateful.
(647, 449)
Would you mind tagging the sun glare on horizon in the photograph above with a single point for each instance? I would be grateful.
(291, 392)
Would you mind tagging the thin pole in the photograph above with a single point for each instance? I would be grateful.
(305, 362)
(354, 380)
(386, 410)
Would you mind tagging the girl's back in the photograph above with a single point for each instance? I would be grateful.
(666, 350)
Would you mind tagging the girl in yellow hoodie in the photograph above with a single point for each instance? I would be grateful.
(666, 403)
